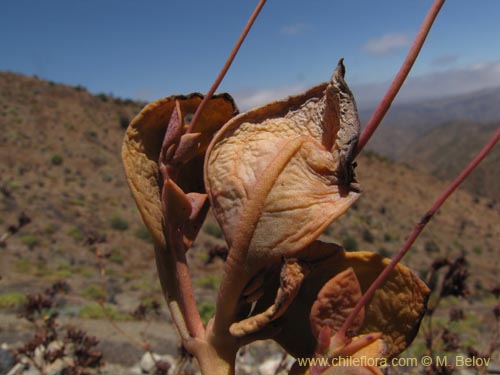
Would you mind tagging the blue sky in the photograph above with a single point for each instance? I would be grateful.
(151, 48)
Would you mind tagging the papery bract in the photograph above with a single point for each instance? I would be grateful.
(279, 174)
(395, 310)
(142, 146)
(276, 177)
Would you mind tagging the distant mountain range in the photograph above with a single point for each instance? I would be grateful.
(442, 135)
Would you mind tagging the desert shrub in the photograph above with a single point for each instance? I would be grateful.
(91, 134)
(213, 230)
(149, 307)
(107, 177)
(384, 252)
(61, 274)
(77, 202)
(96, 311)
(11, 300)
(208, 282)
(207, 311)
(76, 234)
(368, 236)
(124, 121)
(23, 265)
(118, 223)
(143, 234)
(56, 160)
(103, 97)
(30, 240)
(50, 229)
(116, 257)
(94, 292)
(389, 237)
(328, 230)
(349, 243)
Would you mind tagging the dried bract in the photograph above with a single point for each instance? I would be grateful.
(142, 146)
(279, 174)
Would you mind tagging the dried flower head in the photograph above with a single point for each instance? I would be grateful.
(276, 177)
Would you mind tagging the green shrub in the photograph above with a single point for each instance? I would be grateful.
(23, 266)
(328, 230)
(91, 134)
(13, 185)
(61, 274)
(11, 299)
(85, 271)
(209, 281)
(143, 234)
(384, 252)
(50, 229)
(57, 250)
(350, 243)
(116, 257)
(102, 96)
(77, 202)
(106, 177)
(94, 292)
(76, 234)
(213, 230)
(96, 311)
(478, 250)
(30, 240)
(42, 269)
(124, 121)
(368, 236)
(117, 223)
(56, 160)
(207, 311)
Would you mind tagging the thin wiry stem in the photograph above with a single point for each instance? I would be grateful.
(398, 81)
(227, 64)
(417, 230)
(183, 307)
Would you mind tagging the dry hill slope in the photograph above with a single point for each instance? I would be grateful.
(60, 164)
(440, 135)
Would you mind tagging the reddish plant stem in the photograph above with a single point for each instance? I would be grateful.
(398, 81)
(416, 232)
(173, 232)
(183, 278)
(227, 64)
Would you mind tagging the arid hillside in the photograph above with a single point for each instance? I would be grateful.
(61, 167)
(439, 136)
